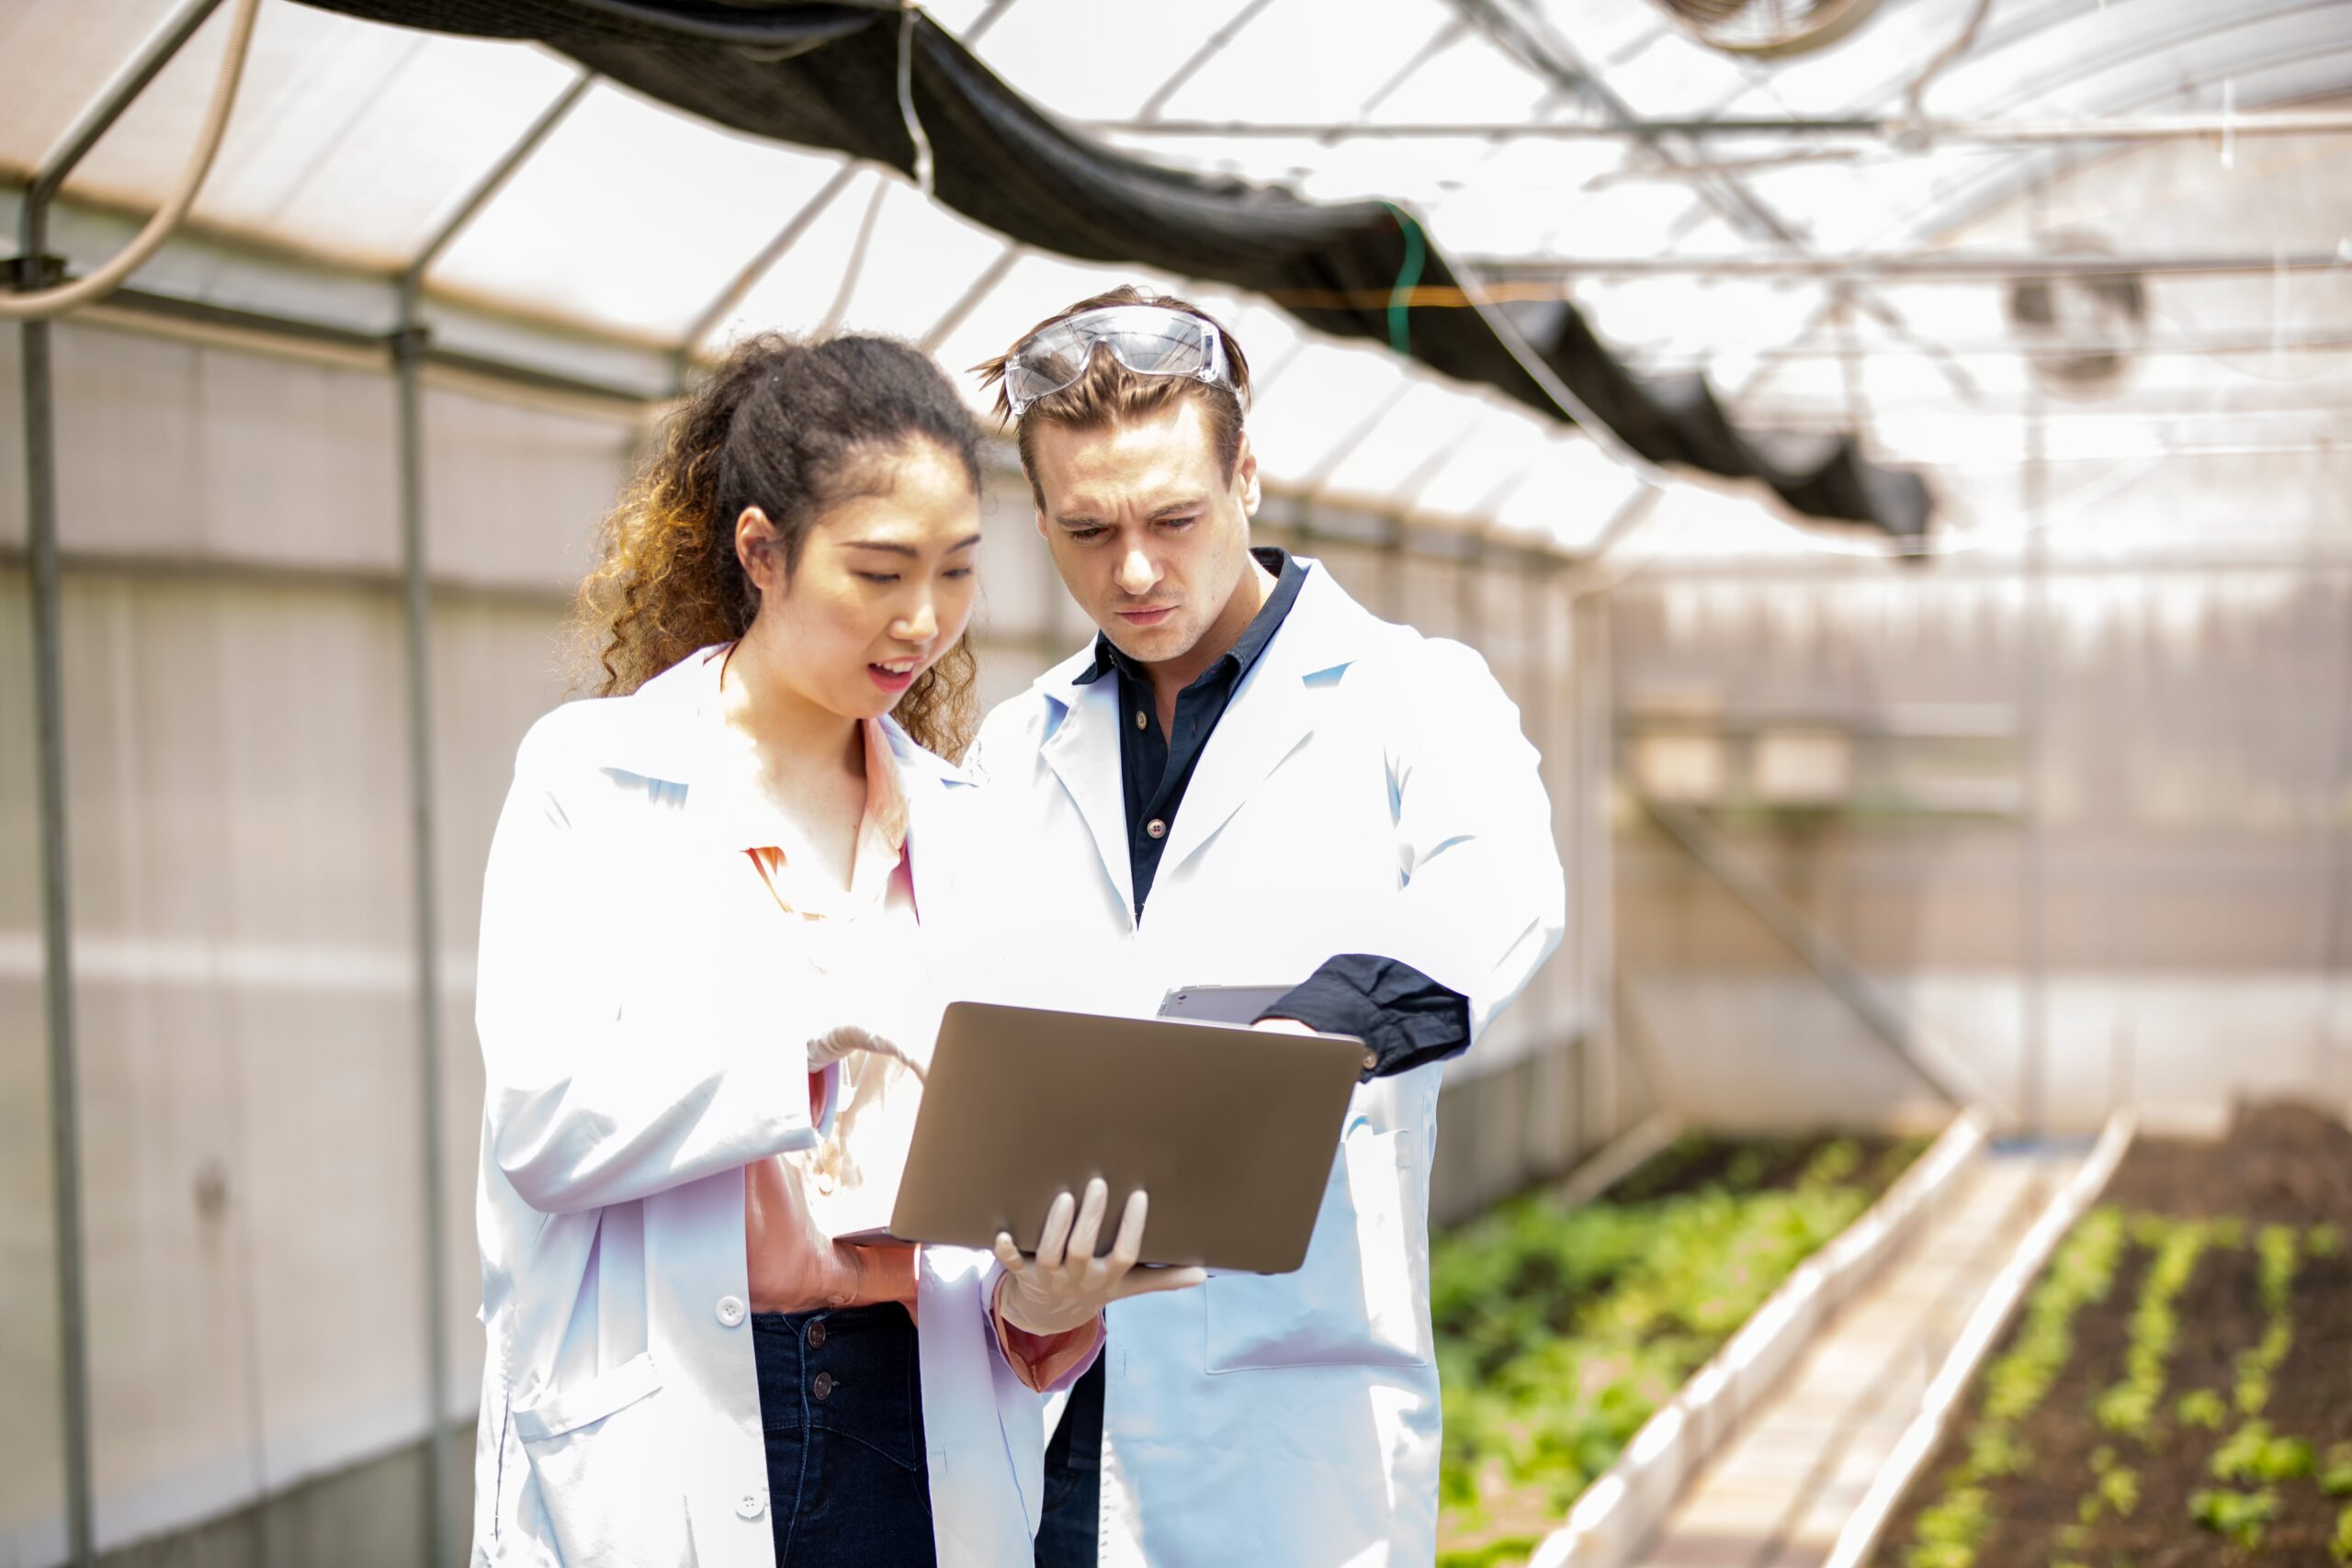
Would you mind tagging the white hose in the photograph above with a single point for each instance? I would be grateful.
(48, 303)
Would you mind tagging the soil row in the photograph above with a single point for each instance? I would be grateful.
(2178, 1392)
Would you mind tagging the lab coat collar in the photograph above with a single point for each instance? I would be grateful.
(1082, 746)
(673, 733)
(1271, 714)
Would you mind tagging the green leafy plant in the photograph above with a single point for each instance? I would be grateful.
(2339, 1546)
(2083, 1271)
(1561, 1331)
(1950, 1530)
(2128, 1407)
(2253, 1453)
(2117, 1491)
(1995, 1450)
(2120, 1490)
(2202, 1407)
(2280, 1249)
(2335, 1474)
(2237, 1515)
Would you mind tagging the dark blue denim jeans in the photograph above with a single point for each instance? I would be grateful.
(841, 1397)
(1068, 1537)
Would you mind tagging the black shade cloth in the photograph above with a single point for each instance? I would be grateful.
(826, 75)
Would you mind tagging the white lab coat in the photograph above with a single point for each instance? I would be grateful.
(1368, 791)
(641, 1037)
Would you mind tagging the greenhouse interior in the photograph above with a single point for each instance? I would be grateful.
(1895, 455)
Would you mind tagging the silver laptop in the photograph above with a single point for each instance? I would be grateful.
(1231, 1130)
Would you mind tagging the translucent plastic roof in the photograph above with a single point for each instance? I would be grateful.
(353, 144)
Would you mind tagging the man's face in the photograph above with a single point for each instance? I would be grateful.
(1151, 538)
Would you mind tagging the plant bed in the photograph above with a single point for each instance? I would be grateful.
(1562, 1329)
(2177, 1391)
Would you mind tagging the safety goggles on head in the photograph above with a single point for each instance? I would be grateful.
(1151, 340)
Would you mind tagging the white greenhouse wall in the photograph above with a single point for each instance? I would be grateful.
(2172, 701)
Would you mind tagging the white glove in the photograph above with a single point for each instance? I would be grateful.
(1066, 1286)
(845, 1040)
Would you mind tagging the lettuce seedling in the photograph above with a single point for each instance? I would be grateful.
(2238, 1515)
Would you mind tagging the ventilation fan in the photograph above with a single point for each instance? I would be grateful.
(1769, 30)
(2086, 331)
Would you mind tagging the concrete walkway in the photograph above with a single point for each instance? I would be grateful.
(1777, 1494)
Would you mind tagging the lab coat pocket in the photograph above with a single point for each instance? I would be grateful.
(1353, 1302)
(601, 1460)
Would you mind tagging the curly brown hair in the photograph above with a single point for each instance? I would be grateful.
(792, 426)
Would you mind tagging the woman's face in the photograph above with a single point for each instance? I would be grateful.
(883, 587)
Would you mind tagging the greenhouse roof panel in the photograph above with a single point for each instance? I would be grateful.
(1289, 62)
(631, 218)
(1050, 52)
(1570, 492)
(80, 45)
(350, 141)
(1466, 79)
(1501, 445)
(1405, 437)
(880, 259)
(1313, 401)
(355, 142)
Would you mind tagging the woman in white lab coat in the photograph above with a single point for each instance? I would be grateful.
(703, 1009)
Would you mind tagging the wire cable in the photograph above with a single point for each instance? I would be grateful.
(915, 133)
(47, 303)
(1579, 412)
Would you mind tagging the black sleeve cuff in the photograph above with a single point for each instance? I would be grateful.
(1405, 1019)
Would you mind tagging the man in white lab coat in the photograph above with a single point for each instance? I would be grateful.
(1248, 779)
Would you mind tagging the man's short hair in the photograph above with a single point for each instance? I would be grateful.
(1110, 394)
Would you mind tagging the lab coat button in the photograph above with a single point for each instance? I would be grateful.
(1155, 828)
(817, 1334)
(750, 1505)
(823, 1387)
(731, 1309)
(1371, 1060)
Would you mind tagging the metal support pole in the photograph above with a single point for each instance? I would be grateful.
(1512, 279)
(1547, 1099)
(2327, 1079)
(445, 1547)
(2033, 705)
(1749, 884)
(442, 1551)
(56, 928)
(1593, 706)
(49, 741)
(1880, 134)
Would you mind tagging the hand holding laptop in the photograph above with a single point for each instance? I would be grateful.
(1065, 1286)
